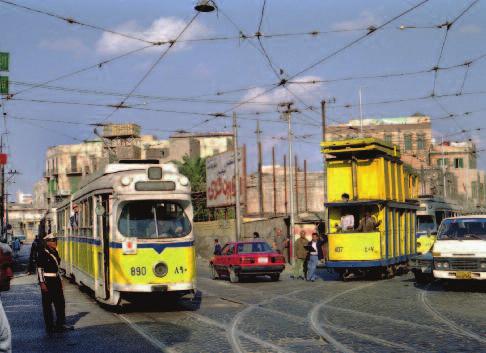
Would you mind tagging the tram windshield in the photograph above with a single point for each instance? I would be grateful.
(153, 219)
(425, 223)
(463, 229)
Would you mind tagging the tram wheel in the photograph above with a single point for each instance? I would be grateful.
(213, 273)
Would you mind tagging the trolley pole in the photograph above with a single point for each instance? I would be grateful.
(237, 179)
(287, 115)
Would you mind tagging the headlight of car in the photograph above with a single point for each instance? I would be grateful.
(483, 265)
(445, 265)
(438, 264)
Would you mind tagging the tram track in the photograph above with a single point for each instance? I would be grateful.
(456, 328)
(317, 326)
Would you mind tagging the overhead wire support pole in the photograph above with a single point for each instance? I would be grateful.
(260, 167)
(287, 115)
(237, 179)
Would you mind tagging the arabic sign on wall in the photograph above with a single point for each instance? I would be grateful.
(220, 179)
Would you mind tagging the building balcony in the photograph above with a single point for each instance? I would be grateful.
(73, 171)
(63, 193)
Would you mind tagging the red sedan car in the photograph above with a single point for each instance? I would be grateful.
(247, 258)
(6, 264)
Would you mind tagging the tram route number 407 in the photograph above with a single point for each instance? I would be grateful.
(142, 270)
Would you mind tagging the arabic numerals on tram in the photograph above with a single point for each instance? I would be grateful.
(138, 271)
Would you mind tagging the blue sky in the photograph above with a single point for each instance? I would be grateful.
(43, 48)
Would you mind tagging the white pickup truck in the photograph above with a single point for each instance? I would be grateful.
(460, 249)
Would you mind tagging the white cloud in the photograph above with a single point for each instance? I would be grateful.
(470, 29)
(304, 91)
(72, 45)
(366, 18)
(162, 29)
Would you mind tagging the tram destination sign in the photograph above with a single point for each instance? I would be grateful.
(220, 179)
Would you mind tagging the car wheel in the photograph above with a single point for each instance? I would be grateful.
(212, 272)
(275, 277)
(233, 276)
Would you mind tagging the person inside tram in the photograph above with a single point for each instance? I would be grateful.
(368, 223)
(346, 224)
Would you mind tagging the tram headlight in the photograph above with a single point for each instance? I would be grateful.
(160, 269)
(184, 181)
(126, 180)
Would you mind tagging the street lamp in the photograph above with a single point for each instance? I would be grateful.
(205, 6)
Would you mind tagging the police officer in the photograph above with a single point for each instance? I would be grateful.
(51, 286)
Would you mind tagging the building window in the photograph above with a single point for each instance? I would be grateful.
(442, 162)
(74, 163)
(388, 139)
(458, 163)
(472, 163)
(420, 141)
(408, 144)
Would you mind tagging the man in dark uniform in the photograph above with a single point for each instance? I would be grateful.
(51, 286)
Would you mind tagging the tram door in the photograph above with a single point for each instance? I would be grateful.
(103, 225)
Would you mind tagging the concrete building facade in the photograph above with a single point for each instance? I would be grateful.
(413, 134)
(24, 219)
(460, 160)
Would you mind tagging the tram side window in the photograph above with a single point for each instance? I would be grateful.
(60, 223)
(86, 217)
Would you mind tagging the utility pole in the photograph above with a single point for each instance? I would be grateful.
(274, 183)
(287, 115)
(360, 114)
(258, 133)
(444, 170)
(324, 162)
(237, 178)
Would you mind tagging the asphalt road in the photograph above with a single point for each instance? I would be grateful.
(262, 316)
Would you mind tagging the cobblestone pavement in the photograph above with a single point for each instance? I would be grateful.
(263, 316)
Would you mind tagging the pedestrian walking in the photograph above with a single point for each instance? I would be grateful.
(217, 247)
(281, 243)
(16, 246)
(34, 251)
(300, 254)
(51, 286)
(315, 254)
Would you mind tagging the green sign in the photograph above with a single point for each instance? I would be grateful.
(3, 84)
(4, 58)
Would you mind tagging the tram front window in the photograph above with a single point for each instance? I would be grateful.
(153, 219)
(425, 223)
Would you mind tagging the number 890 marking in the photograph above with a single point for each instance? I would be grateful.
(138, 271)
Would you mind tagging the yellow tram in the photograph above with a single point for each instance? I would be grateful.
(128, 230)
(372, 204)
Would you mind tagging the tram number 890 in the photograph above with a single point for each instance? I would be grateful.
(138, 271)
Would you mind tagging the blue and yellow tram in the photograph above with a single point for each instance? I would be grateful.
(128, 230)
(372, 207)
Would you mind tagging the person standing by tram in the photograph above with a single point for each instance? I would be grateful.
(51, 286)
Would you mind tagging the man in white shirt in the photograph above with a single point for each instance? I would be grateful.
(313, 248)
(347, 223)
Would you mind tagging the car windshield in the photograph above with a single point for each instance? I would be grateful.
(463, 229)
(248, 248)
(425, 223)
(153, 219)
